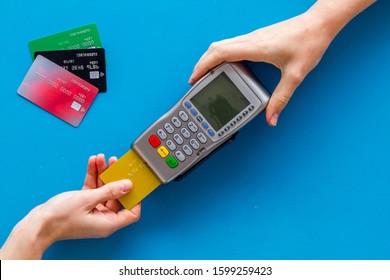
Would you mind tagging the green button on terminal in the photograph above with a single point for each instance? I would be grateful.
(172, 162)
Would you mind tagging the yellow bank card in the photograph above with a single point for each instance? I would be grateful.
(131, 167)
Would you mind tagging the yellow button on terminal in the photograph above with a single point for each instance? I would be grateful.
(163, 152)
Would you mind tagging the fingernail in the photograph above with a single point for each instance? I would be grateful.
(125, 185)
(191, 80)
(274, 119)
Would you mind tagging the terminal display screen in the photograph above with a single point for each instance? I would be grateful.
(220, 101)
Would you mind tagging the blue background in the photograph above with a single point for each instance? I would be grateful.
(315, 187)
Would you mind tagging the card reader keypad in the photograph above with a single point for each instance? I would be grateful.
(177, 139)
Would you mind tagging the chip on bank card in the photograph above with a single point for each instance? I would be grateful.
(83, 37)
(58, 91)
(131, 167)
(88, 64)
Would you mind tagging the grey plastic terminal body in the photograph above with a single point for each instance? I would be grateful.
(200, 141)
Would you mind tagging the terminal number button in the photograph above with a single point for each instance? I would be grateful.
(183, 116)
(194, 144)
(176, 122)
(169, 128)
(171, 145)
(186, 134)
(192, 127)
(187, 150)
(161, 133)
(180, 156)
(201, 137)
(178, 139)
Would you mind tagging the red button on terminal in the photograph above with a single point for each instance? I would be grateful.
(154, 141)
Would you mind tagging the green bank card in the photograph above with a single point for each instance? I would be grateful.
(83, 37)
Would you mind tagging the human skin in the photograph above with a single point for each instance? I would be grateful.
(91, 212)
(295, 46)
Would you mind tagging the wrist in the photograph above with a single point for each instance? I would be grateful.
(29, 238)
(332, 15)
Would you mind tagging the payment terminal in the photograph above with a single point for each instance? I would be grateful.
(205, 118)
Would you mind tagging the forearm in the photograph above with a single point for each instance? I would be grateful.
(29, 239)
(333, 15)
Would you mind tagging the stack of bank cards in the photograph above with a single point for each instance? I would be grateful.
(68, 71)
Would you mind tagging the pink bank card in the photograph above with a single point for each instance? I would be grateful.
(58, 91)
